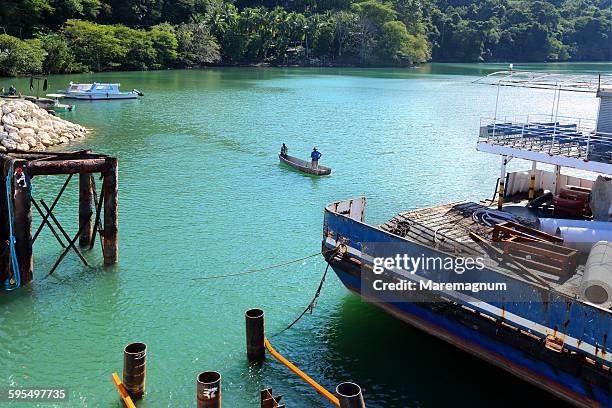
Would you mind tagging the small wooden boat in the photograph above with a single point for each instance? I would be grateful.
(304, 165)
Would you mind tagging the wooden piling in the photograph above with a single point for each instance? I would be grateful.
(47, 168)
(85, 208)
(255, 334)
(349, 395)
(22, 226)
(111, 202)
(83, 163)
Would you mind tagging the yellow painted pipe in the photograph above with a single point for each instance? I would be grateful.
(331, 397)
(532, 187)
(500, 200)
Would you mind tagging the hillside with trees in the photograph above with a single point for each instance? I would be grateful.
(63, 36)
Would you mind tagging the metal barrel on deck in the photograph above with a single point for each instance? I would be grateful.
(135, 369)
(349, 395)
(209, 389)
(255, 333)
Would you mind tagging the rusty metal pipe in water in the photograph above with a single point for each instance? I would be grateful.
(209, 389)
(255, 334)
(350, 395)
(135, 369)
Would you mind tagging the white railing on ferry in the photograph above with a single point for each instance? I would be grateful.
(561, 135)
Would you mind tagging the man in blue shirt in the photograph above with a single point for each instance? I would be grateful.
(315, 156)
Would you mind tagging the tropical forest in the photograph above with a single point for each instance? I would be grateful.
(65, 36)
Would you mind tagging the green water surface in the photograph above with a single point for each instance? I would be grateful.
(202, 194)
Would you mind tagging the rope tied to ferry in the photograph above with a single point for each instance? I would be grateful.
(313, 303)
(250, 271)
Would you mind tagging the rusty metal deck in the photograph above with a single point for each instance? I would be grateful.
(438, 225)
(447, 226)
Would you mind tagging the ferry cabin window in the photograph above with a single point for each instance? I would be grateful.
(103, 88)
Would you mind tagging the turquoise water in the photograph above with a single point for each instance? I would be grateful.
(202, 194)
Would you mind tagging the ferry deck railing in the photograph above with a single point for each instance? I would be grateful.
(565, 136)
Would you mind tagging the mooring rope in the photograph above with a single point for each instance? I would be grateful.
(311, 305)
(16, 279)
(250, 271)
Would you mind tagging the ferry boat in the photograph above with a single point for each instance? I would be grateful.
(539, 303)
(98, 91)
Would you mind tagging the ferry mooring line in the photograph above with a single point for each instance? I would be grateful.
(250, 271)
(311, 305)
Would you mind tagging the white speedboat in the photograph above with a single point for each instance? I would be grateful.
(98, 91)
(57, 105)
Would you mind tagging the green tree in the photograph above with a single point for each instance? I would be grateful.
(345, 24)
(19, 57)
(323, 41)
(19, 17)
(165, 43)
(94, 45)
(590, 38)
(224, 22)
(68, 9)
(400, 47)
(139, 53)
(372, 15)
(196, 45)
(59, 58)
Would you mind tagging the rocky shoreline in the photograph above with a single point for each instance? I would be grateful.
(26, 127)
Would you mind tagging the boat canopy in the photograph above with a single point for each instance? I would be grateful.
(105, 87)
(580, 143)
(547, 80)
(79, 87)
(95, 87)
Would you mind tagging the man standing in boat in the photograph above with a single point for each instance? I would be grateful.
(315, 156)
(284, 150)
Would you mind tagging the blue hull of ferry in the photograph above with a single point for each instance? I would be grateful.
(580, 373)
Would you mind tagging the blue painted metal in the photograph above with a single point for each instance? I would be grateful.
(587, 324)
(12, 249)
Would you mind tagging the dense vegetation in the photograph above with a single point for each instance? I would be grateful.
(56, 36)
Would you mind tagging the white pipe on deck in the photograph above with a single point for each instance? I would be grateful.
(550, 225)
(583, 239)
(596, 284)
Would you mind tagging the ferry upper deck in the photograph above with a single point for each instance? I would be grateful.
(580, 143)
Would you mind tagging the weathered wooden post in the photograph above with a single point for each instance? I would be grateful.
(135, 369)
(349, 395)
(22, 228)
(111, 202)
(255, 334)
(85, 208)
(209, 390)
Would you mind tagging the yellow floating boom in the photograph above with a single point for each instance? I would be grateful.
(124, 394)
(331, 397)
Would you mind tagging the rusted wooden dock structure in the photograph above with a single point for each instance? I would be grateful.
(96, 214)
